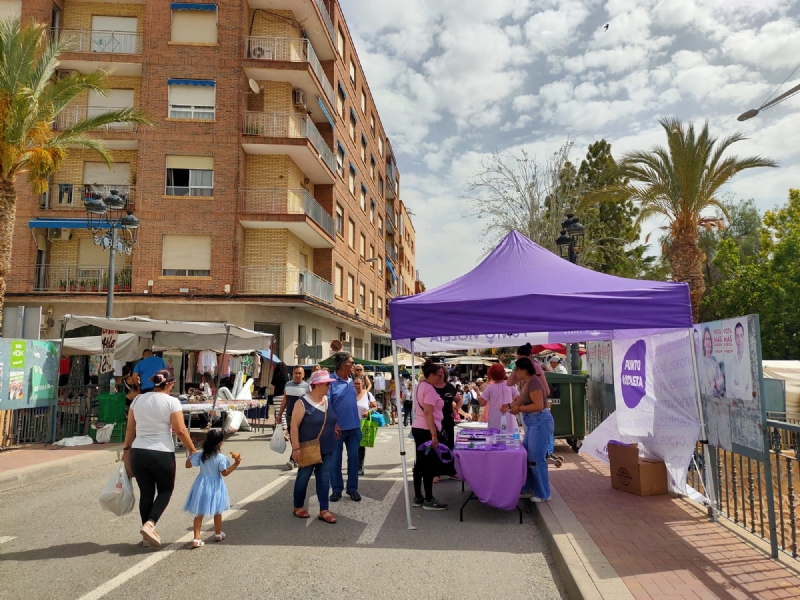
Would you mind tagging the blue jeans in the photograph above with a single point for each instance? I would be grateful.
(540, 430)
(352, 439)
(551, 444)
(322, 473)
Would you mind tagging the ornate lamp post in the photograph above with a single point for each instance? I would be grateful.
(570, 246)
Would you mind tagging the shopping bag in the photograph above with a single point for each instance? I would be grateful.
(117, 496)
(104, 433)
(278, 443)
(369, 429)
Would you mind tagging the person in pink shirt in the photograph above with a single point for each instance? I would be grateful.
(427, 427)
(496, 399)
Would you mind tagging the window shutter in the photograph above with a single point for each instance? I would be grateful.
(190, 162)
(126, 24)
(193, 95)
(99, 173)
(91, 255)
(194, 26)
(115, 99)
(186, 252)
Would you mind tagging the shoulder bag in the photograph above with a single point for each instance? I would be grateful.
(310, 453)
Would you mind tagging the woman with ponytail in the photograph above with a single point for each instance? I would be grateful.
(150, 452)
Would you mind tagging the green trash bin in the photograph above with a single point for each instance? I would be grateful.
(568, 398)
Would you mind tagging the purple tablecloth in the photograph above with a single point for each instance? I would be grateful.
(496, 476)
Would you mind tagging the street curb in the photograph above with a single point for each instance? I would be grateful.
(584, 569)
(15, 478)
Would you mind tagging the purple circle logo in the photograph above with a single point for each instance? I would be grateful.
(632, 376)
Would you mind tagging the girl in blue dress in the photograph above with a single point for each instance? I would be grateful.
(208, 495)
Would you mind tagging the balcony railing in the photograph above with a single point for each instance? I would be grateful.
(391, 252)
(285, 201)
(72, 114)
(289, 50)
(284, 281)
(326, 17)
(103, 42)
(289, 125)
(73, 195)
(80, 278)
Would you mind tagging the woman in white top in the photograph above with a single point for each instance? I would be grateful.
(149, 451)
(365, 401)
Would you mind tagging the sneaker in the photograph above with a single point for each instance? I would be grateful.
(150, 534)
(434, 504)
(294, 464)
(289, 466)
(536, 499)
(418, 501)
(336, 496)
(355, 496)
(361, 472)
(525, 494)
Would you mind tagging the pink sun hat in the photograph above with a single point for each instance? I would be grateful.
(321, 376)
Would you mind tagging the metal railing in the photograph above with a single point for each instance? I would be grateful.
(326, 18)
(289, 50)
(284, 281)
(73, 195)
(289, 125)
(72, 278)
(285, 201)
(103, 42)
(391, 252)
(73, 114)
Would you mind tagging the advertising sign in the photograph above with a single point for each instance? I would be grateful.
(108, 342)
(599, 363)
(28, 373)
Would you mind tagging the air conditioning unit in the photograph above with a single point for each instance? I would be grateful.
(64, 73)
(344, 337)
(62, 234)
(299, 99)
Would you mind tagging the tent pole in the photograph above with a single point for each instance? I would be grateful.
(710, 491)
(219, 371)
(400, 428)
(58, 381)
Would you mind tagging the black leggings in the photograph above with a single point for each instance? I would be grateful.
(362, 452)
(154, 470)
(425, 466)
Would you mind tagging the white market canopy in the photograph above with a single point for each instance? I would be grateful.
(129, 346)
(184, 335)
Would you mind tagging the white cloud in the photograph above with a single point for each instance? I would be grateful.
(776, 45)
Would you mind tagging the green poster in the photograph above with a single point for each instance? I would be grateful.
(17, 354)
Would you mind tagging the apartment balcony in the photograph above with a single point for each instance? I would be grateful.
(116, 136)
(292, 209)
(391, 252)
(284, 281)
(86, 47)
(81, 279)
(73, 195)
(292, 60)
(316, 21)
(293, 135)
(391, 185)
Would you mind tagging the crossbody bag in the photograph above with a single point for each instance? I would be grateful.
(310, 453)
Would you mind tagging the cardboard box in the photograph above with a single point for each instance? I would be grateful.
(630, 473)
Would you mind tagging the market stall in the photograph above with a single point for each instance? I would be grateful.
(522, 293)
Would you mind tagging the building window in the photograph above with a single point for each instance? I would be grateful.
(372, 124)
(194, 23)
(372, 303)
(380, 267)
(352, 72)
(363, 149)
(351, 282)
(340, 42)
(362, 296)
(363, 199)
(380, 307)
(372, 255)
(363, 102)
(380, 226)
(380, 146)
(351, 234)
(193, 99)
(115, 35)
(351, 181)
(337, 281)
(380, 186)
(372, 211)
(340, 159)
(339, 221)
(190, 176)
(186, 256)
(115, 99)
(372, 167)
(362, 246)
(352, 125)
(340, 98)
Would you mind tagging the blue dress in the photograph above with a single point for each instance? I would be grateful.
(208, 495)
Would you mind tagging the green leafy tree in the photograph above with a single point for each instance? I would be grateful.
(31, 98)
(680, 182)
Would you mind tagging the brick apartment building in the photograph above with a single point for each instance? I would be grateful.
(264, 189)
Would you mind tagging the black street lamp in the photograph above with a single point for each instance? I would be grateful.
(570, 246)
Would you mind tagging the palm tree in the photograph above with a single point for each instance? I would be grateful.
(31, 97)
(681, 182)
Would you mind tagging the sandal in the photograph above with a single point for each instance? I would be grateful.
(198, 543)
(300, 513)
(218, 537)
(327, 516)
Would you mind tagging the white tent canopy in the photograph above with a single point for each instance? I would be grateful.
(129, 346)
(185, 335)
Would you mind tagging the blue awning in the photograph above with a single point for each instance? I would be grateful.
(193, 6)
(353, 169)
(42, 223)
(200, 82)
(364, 139)
(353, 114)
(325, 111)
(391, 268)
(363, 187)
(339, 145)
(266, 354)
(341, 89)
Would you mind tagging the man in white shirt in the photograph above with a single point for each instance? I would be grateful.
(556, 366)
(738, 374)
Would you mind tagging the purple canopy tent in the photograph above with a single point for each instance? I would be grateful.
(523, 293)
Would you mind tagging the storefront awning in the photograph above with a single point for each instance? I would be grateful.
(58, 223)
(199, 82)
(193, 6)
(391, 269)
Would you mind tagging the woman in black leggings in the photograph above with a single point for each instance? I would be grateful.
(150, 451)
(427, 427)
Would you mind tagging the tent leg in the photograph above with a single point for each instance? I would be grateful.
(709, 484)
(54, 423)
(400, 429)
(219, 373)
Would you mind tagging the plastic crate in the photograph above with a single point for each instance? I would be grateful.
(111, 408)
(118, 435)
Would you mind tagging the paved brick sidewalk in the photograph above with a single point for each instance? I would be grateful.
(663, 547)
(38, 454)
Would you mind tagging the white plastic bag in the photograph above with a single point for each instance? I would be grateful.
(233, 421)
(104, 433)
(117, 496)
(278, 443)
(78, 440)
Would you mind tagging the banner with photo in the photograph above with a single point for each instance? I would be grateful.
(599, 362)
(730, 373)
(28, 373)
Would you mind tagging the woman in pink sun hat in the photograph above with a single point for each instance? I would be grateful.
(313, 418)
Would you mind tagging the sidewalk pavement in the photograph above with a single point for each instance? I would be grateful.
(659, 547)
(35, 463)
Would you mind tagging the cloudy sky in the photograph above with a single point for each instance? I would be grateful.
(456, 79)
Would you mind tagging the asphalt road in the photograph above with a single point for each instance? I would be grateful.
(56, 542)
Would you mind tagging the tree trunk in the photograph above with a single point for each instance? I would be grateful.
(8, 212)
(686, 262)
